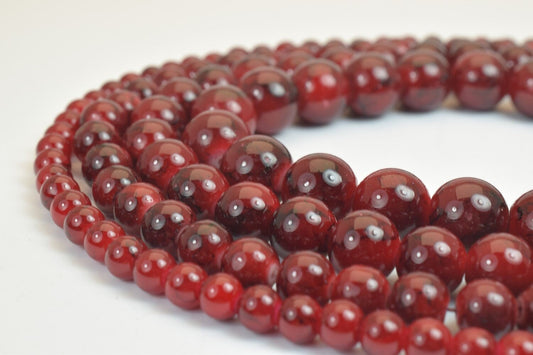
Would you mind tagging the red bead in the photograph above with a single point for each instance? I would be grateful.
(374, 85)
(521, 218)
(274, 96)
(50, 170)
(518, 342)
(200, 186)
(293, 59)
(339, 55)
(50, 156)
(95, 95)
(263, 50)
(107, 111)
(428, 336)
(192, 68)
(203, 243)
(306, 272)
(98, 238)
(250, 62)
(131, 204)
(182, 90)
(70, 117)
(473, 341)
(102, 156)
(56, 141)
(211, 133)
(301, 223)
(364, 237)
(382, 333)
(525, 309)
(111, 87)
(501, 257)
(79, 220)
(360, 45)
(520, 89)
(252, 261)
(143, 87)
(247, 208)
(128, 78)
(163, 108)
(259, 309)
(167, 74)
(324, 177)
(79, 105)
(340, 324)
(299, 319)
(144, 132)
(311, 46)
(233, 56)
(515, 56)
(486, 304)
(151, 269)
(184, 285)
(128, 100)
(121, 255)
(434, 250)
(163, 159)
(93, 133)
(220, 296)
(478, 78)
(55, 185)
(63, 128)
(213, 75)
(108, 183)
(64, 202)
(257, 158)
(363, 285)
(163, 222)
(418, 295)
(150, 72)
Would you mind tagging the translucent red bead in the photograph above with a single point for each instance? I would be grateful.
(220, 296)
(259, 309)
(121, 255)
(184, 285)
(151, 270)
(300, 318)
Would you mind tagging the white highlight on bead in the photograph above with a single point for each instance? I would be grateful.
(429, 291)
(227, 133)
(306, 182)
(495, 299)
(268, 159)
(350, 290)
(114, 159)
(294, 275)
(251, 304)
(332, 320)
(258, 256)
(227, 287)
(125, 181)
(156, 163)
(351, 239)
(372, 285)
(481, 202)
(177, 159)
(419, 254)
(435, 334)
(244, 164)
(390, 326)
(454, 210)
(258, 203)
(290, 314)
(209, 185)
(307, 310)
(139, 141)
(166, 114)
(374, 233)
(213, 238)
(482, 342)
(442, 248)
(315, 269)
(238, 261)
(194, 242)
(147, 199)
(193, 277)
(291, 223)
(109, 184)
(408, 298)
(187, 189)
(176, 217)
(161, 263)
(205, 137)
(235, 208)
(88, 139)
(331, 177)
(97, 163)
(379, 199)
(132, 249)
(267, 300)
(276, 89)
(513, 256)
(475, 305)
(313, 218)
(489, 262)
(130, 204)
(405, 193)
(158, 222)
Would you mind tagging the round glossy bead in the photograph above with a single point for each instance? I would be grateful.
(93, 133)
(249, 63)
(50, 156)
(299, 319)
(479, 79)
(79, 220)
(95, 95)
(514, 56)
(131, 204)
(107, 111)
(182, 90)
(293, 59)
(63, 128)
(110, 87)
(434, 250)
(473, 341)
(220, 296)
(214, 74)
(247, 208)
(200, 186)
(144, 132)
(428, 336)
(518, 342)
(151, 269)
(108, 183)
(418, 295)
(203, 243)
(259, 309)
(501, 257)
(233, 56)
(102, 156)
(121, 255)
(55, 185)
(163, 108)
(128, 78)
(98, 238)
(128, 100)
(525, 309)
(382, 333)
(56, 141)
(64, 202)
(274, 96)
(521, 218)
(78, 105)
(50, 170)
(211, 133)
(363, 285)
(322, 91)
(306, 272)
(252, 261)
(486, 304)
(520, 89)
(70, 117)
(340, 324)
(143, 87)
(167, 74)
(324, 177)
(339, 55)
(184, 285)
(301, 223)
(229, 98)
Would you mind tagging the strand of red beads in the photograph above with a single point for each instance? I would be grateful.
(204, 208)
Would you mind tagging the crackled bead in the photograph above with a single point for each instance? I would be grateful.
(213, 75)
(121, 255)
(211, 133)
(518, 342)
(306, 272)
(525, 309)
(93, 133)
(144, 132)
(324, 177)
(252, 261)
(418, 295)
(49, 157)
(382, 333)
(473, 341)
(340, 324)
(299, 319)
(428, 336)
(182, 90)
(143, 87)
(274, 97)
(107, 111)
(131, 204)
(363, 285)
(108, 183)
(128, 100)
(259, 309)
(434, 250)
(163, 159)
(99, 236)
(521, 218)
(486, 304)
(56, 141)
(64, 202)
(301, 223)
(520, 88)
(102, 156)
(220, 296)
(79, 220)
(163, 108)
(478, 79)
(55, 185)
(501, 257)
(200, 186)
(184, 284)
(50, 170)
(203, 243)
(151, 270)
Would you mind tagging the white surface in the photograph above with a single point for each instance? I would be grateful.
(56, 300)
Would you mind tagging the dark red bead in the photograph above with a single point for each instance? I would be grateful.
(64, 202)
(247, 208)
(111, 87)
(467, 46)
(203, 243)
(520, 89)
(518, 342)
(340, 324)
(428, 336)
(108, 183)
(128, 100)
(500, 45)
(301, 223)
(56, 141)
(182, 90)
(102, 156)
(143, 87)
(360, 45)
(473, 341)
(93, 133)
(306, 272)
(418, 295)
(213, 75)
(78, 105)
(339, 55)
(79, 220)
(525, 309)
(50, 170)
(515, 56)
(144, 132)
(299, 319)
(168, 74)
(324, 177)
(382, 333)
(220, 296)
(55, 185)
(193, 67)
(250, 62)
(521, 218)
(63, 128)
(486, 304)
(184, 285)
(259, 309)
(107, 111)
(121, 255)
(283, 48)
(50, 156)
(163, 108)
(98, 238)
(293, 59)
(151, 269)
(150, 72)
(70, 117)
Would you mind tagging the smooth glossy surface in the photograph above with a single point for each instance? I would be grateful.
(184, 285)
(79, 220)
(428, 336)
(55, 185)
(182, 90)
(382, 333)
(473, 341)
(93, 133)
(525, 309)
(299, 319)
(98, 238)
(102, 156)
(151, 269)
(520, 88)
(64, 202)
(521, 218)
(259, 309)
(108, 183)
(163, 108)
(121, 255)
(50, 156)
(340, 324)
(220, 296)
(518, 342)
(107, 111)
(144, 132)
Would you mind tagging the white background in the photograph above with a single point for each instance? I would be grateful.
(56, 300)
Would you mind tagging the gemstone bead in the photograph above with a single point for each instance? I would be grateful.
(63, 128)
(108, 183)
(50, 170)
(220, 296)
(151, 269)
(184, 285)
(50, 156)
(514, 56)
(259, 309)
(213, 75)
(525, 309)
(300, 318)
(64, 202)
(55, 185)
(428, 336)
(167, 74)
(518, 342)
(121, 255)
(521, 218)
(249, 63)
(340, 324)
(78, 105)
(182, 90)
(233, 56)
(128, 100)
(93, 133)
(339, 55)
(143, 87)
(293, 59)
(99, 236)
(79, 220)
(473, 341)
(381, 333)
(144, 132)
(163, 108)
(56, 141)
(107, 111)
(102, 156)
(520, 89)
